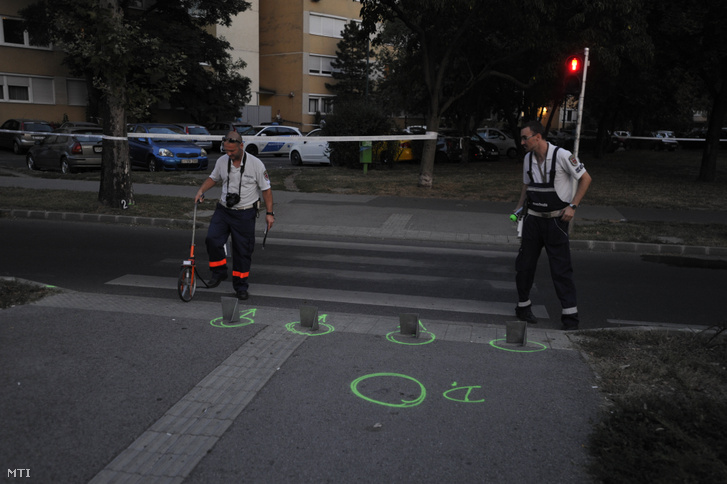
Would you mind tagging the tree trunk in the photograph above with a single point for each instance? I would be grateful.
(426, 175)
(708, 168)
(116, 189)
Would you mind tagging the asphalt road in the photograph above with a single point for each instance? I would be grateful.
(438, 281)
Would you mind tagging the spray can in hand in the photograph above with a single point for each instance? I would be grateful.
(516, 216)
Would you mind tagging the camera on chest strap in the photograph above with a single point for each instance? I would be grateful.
(232, 199)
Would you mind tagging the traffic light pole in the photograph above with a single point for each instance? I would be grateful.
(581, 99)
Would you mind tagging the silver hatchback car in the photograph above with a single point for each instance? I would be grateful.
(21, 134)
(67, 150)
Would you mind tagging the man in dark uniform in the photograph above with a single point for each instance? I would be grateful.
(244, 180)
(549, 201)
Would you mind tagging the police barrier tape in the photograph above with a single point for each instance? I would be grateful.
(410, 137)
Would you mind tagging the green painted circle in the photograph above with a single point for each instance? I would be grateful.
(390, 337)
(291, 327)
(404, 404)
(223, 324)
(492, 343)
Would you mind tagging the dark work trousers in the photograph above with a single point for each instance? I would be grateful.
(241, 224)
(551, 233)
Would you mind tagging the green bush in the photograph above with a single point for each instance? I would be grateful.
(358, 117)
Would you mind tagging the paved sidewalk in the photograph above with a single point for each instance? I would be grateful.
(106, 388)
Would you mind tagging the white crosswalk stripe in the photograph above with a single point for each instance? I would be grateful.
(341, 296)
(380, 275)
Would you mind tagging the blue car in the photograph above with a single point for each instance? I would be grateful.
(164, 153)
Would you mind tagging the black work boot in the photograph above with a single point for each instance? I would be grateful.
(570, 321)
(525, 313)
(217, 277)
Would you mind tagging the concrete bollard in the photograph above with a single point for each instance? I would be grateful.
(409, 324)
(229, 309)
(309, 317)
(516, 332)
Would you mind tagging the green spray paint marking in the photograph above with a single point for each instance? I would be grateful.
(392, 337)
(321, 322)
(245, 320)
(466, 398)
(403, 404)
(514, 350)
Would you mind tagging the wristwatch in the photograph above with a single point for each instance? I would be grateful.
(270, 213)
(573, 206)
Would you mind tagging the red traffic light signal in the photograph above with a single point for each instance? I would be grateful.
(573, 65)
(573, 75)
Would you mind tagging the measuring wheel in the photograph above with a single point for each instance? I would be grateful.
(187, 283)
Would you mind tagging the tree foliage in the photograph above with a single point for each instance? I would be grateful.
(449, 47)
(356, 117)
(132, 59)
(689, 39)
(651, 64)
(212, 87)
(353, 70)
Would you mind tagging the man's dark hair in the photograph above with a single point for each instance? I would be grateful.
(535, 126)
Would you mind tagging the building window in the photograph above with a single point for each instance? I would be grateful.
(18, 88)
(320, 104)
(36, 90)
(43, 91)
(320, 64)
(13, 33)
(326, 26)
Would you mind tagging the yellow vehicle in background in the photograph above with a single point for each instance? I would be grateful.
(393, 151)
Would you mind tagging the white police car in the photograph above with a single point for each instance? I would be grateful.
(270, 147)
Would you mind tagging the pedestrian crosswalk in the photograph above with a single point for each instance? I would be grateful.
(455, 282)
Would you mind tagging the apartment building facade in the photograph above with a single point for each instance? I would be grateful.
(288, 46)
(34, 83)
(298, 42)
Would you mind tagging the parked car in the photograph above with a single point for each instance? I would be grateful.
(310, 150)
(504, 142)
(221, 128)
(199, 130)
(68, 150)
(450, 146)
(26, 135)
(695, 138)
(277, 148)
(394, 151)
(665, 140)
(415, 130)
(619, 140)
(156, 154)
(79, 124)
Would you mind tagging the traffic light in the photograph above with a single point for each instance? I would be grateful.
(574, 64)
(573, 74)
